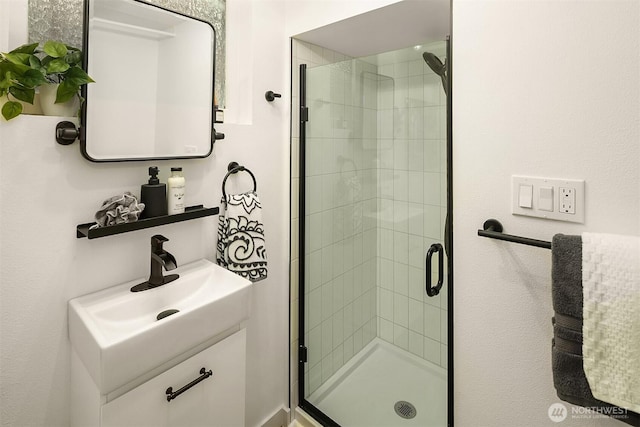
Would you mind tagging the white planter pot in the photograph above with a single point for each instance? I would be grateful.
(49, 106)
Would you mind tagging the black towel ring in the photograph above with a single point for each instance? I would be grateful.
(234, 167)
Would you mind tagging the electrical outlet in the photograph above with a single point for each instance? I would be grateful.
(567, 200)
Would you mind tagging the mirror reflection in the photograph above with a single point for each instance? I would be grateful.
(153, 96)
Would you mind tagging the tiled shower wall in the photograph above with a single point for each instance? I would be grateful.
(411, 200)
(376, 200)
(340, 218)
(341, 204)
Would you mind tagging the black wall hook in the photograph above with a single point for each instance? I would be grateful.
(66, 133)
(271, 95)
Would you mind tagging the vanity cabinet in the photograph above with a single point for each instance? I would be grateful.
(130, 347)
(217, 400)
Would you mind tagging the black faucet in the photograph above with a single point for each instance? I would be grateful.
(159, 259)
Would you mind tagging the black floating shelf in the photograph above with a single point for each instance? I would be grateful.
(192, 212)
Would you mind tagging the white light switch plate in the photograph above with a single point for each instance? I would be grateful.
(568, 198)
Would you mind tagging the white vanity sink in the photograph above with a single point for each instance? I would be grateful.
(116, 334)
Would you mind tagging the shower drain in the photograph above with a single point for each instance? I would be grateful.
(405, 409)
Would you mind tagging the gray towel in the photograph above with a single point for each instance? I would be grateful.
(566, 275)
(568, 373)
(118, 209)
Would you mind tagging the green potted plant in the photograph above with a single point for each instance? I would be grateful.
(26, 68)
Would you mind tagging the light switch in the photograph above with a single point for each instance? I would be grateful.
(525, 198)
(545, 199)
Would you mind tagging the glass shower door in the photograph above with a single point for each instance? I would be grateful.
(373, 208)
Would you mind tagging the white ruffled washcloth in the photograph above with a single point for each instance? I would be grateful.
(241, 247)
(118, 210)
(611, 311)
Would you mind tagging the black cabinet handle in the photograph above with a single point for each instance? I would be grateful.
(204, 374)
(435, 290)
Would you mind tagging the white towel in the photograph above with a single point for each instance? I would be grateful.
(611, 311)
(241, 247)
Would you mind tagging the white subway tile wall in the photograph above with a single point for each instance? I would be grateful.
(341, 198)
(376, 200)
(411, 200)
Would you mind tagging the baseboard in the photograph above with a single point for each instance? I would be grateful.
(279, 419)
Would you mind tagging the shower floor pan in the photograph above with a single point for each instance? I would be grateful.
(364, 391)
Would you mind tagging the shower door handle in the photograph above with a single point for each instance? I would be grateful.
(432, 291)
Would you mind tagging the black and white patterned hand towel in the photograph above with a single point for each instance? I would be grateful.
(241, 247)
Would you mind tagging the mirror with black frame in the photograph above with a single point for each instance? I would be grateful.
(154, 91)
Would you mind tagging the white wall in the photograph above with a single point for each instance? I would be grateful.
(305, 15)
(544, 89)
(47, 189)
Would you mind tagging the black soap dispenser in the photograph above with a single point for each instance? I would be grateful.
(153, 195)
